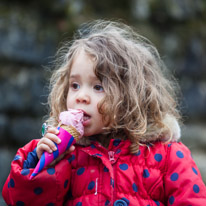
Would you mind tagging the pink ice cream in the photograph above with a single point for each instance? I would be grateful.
(74, 118)
(70, 130)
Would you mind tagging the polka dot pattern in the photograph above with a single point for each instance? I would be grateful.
(157, 203)
(106, 169)
(196, 188)
(91, 185)
(71, 158)
(144, 170)
(38, 190)
(174, 177)
(123, 166)
(99, 155)
(116, 142)
(51, 171)
(180, 154)
(92, 146)
(171, 200)
(195, 171)
(11, 183)
(80, 171)
(134, 187)
(66, 183)
(107, 203)
(50, 204)
(20, 203)
(158, 157)
(146, 173)
(118, 151)
(138, 153)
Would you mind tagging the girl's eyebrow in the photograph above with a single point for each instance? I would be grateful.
(73, 76)
(76, 76)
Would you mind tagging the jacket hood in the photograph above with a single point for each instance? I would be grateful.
(170, 132)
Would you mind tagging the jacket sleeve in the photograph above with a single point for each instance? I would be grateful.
(183, 182)
(49, 187)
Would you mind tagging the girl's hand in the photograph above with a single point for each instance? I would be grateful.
(46, 143)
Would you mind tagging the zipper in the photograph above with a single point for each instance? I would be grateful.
(112, 160)
(111, 156)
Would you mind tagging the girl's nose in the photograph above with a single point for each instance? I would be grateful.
(82, 97)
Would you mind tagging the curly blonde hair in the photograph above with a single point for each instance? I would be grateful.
(138, 94)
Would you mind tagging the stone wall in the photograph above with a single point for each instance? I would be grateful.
(30, 32)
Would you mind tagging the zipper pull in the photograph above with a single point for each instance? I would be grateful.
(111, 156)
(96, 186)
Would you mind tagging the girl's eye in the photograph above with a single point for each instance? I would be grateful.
(99, 88)
(75, 86)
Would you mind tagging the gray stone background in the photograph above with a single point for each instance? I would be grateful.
(30, 32)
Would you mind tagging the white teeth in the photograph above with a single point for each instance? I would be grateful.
(86, 118)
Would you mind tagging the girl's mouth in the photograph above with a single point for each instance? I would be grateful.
(86, 119)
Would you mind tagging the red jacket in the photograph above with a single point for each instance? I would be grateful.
(162, 174)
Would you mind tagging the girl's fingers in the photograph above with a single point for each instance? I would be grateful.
(42, 148)
(71, 149)
(49, 142)
(53, 130)
(52, 137)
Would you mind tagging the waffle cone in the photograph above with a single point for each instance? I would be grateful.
(72, 131)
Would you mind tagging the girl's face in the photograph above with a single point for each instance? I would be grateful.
(85, 92)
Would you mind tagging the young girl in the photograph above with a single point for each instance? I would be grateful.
(130, 154)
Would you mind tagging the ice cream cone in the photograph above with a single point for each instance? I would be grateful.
(68, 135)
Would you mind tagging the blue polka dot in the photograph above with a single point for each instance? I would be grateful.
(80, 171)
(138, 153)
(50, 171)
(38, 190)
(174, 177)
(71, 158)
(158, 157)
(116, 142)
(171, 200)
(123, 166)
(118, 151)
(194, 170)
(157, 203)
(11, 183)
(146, 173)
(107, 203)
(19, 203)
(135, 188)
(100, 155)
(25, 172)
(180, 154)
(92, 146)
(91, 185)
(196, 188)
(17, 157)
(106, 169)
(169, 145)
(78, 204)
(50, 204)
(66, 183)
(126, 200)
